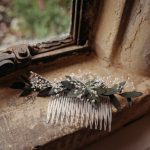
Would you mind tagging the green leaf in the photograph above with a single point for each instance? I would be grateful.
(86, 92)
(111, 91)
(90, 83)
(115, 102)
(100, 90)
(117, 88)
(52, 92)
(55, 91)
(131, 94)
(67, 84)
(122, 83)
(44, 92)
(26, 92)
(91, 96)
(73, 94)
(121, 86)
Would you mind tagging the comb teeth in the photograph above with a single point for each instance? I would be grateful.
(71, 111)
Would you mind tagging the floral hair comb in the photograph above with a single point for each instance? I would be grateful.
(84, 101)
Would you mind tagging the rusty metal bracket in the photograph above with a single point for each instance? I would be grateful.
(13, 58)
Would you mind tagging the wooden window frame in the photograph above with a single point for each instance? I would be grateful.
(77, 42)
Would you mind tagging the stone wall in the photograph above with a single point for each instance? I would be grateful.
(123, 33)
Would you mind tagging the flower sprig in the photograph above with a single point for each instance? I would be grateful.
(92, 91)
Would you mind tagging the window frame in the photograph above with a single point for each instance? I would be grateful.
(75, 37)
(77, 42)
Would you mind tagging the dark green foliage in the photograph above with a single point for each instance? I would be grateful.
(131, 94)
(26, 91)
(101, 90)
(117, 88)
(55, 91)
(121, 86)
(67, 84)
(92, 91)
(23, 84)
(115, 102)
(111, 91)
(44, 92)
(73, 94)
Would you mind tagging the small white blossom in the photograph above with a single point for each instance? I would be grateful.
(96, 95)
(55, 90)
(79, 96)
(93, 101)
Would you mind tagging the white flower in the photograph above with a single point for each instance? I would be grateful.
(55, 90)
(75, 91)
(96, 95)
(93, 101)
(79, 96)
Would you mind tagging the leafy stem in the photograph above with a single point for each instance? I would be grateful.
(92, 91)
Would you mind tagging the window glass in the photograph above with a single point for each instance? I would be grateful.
(33, 20)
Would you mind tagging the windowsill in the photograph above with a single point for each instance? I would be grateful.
(11, 60)
(22, 119)
(70, 50)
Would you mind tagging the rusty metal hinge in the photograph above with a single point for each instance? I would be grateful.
(14, 57)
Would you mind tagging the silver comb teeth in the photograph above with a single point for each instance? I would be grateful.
(71, 111)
